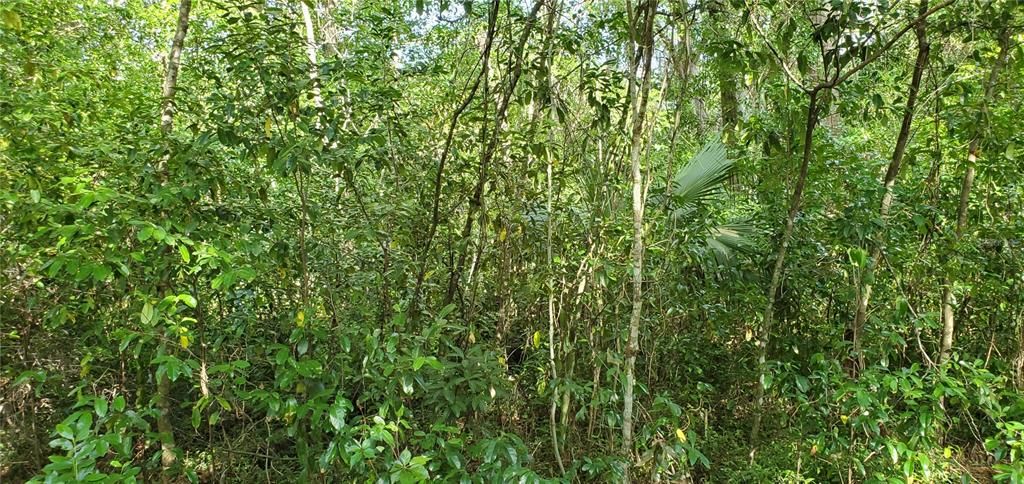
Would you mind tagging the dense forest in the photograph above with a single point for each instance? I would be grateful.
(511, 241)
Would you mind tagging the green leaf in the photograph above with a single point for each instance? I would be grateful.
(185, 256)
(65, 431)
(802, 383)
(893, 453)
(858, 257)
(419, 361)
(100, 405)
(336, 413)
(187, 299)
(407, 385)
(101, 273)
(147, 316)
(445, 311)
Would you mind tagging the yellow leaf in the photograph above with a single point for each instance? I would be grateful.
(681, 435)
(844, 418)
(183, 339)
(536, 339)
(472, 338)
(750, 334)
(11, 20)
(268, 127)
(300, 387)
(947, 452)
(300, 319)
(502, 235)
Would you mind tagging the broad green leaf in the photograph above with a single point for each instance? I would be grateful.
(188, 300)
(147, 316)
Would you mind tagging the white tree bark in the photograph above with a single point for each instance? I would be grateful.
(639, 110)
(170, 85)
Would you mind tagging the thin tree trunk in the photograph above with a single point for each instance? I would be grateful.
(973, 152)
(551, 321)
(729, 102)
(487, 152)
(1018, 361)
(170, 85)
(552, 317)
(864, 294)
(780, 257)
(330, 29)
(168, 456)
(318, 105)
(684, 73)
(300, 184)
(646, 42)
(314, 78)
(435, 215)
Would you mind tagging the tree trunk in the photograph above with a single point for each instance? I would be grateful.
(551, 319)
(973, 152)
(780, 257)
(1018, 361)
(729, 102)
(168, 455)
(864, 294)
(637, 253)
(546, 61)
(330, 29)
(314, 78)
(170, 84)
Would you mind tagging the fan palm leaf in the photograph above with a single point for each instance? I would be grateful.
(702, 177)
(727, 239)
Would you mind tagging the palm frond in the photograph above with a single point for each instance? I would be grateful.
(725, 240)
(703, 176)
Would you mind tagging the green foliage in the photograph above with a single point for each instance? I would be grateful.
(290, 284)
